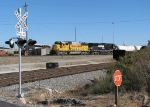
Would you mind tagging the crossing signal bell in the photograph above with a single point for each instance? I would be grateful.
(10, 42)
(20, 42)
(31, 42)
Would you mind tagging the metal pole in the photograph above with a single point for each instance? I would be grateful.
(19, 92)
(116, 96)
(113, 32)
(27, 51)
(75, 34)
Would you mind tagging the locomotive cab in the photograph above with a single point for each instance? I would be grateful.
(59, 47)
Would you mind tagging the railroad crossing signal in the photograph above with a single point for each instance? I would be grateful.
(20, 42)
(10, 42)
(21, 20)
(31, 42)
(117, 78)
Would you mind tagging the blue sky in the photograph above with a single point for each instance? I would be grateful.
(56, 20)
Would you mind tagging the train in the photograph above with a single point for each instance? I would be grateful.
(124, 50)
(83, 48)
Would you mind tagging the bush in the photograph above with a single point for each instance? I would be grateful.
(101, 86)
(135, 71)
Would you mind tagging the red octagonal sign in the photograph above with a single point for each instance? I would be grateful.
(117, 78)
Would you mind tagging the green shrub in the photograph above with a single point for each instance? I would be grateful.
(101, 86)
(135, 71)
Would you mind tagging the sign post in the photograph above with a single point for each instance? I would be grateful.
(20, 33)
(117, 80)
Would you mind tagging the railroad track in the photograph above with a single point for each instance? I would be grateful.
(42, 74)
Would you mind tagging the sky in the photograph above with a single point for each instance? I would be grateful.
(108, 21)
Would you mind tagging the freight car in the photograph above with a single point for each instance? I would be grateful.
(123, 50)
(83, 48)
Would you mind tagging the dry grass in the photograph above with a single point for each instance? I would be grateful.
(36, 95)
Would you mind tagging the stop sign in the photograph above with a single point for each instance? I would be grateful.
(117, 78)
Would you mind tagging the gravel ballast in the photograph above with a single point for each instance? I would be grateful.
(62, 83)
(59, 85)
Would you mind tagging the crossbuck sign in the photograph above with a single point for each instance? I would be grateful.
(21, 20)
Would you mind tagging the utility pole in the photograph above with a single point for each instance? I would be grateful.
(113, 32)
(26, 31)
(75, 34)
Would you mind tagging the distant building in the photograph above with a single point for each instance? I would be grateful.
(2, 48)
(39, 49)
(41, 46)
(6, 51)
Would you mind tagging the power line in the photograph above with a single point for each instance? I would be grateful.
(101, 22)
(44, 25)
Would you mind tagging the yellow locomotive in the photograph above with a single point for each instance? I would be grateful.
(66, 47)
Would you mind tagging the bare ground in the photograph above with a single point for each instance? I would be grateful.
(37, 95)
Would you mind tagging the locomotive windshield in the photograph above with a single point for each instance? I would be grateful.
(57, 42)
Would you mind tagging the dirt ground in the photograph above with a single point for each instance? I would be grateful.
(45, 98)
(39, 96)
(10, 64)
